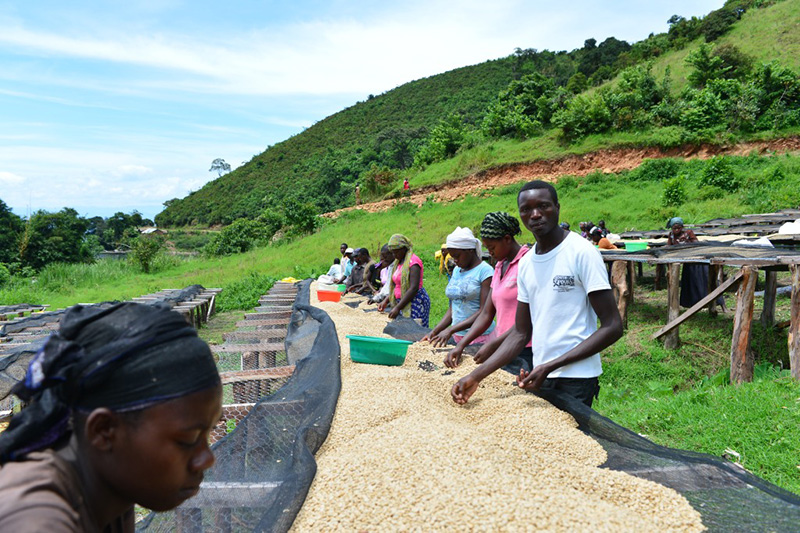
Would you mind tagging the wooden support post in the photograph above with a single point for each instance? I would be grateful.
(640, 266)
(631, 281)
(619, 283)
(794, 324)
(713, 281)
(672, 339)
(660, 272)
(770, 295)
(741, 355)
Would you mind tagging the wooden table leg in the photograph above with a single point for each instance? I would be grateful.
(619, 282)
(672, 339)
(770, 295)
(713, 282)
(794, 326)
(660, 271)
(741, 355)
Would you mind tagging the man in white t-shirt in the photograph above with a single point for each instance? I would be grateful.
(562, 290)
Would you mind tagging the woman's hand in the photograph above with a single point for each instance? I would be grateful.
(453, 357)
(441, 338)
(382, 306)
(394, 313)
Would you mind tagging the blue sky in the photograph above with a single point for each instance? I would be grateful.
(112, 106)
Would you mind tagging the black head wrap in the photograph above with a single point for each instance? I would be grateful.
(497, 225)
(126, 357)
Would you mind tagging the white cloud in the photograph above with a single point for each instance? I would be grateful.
(9, 178)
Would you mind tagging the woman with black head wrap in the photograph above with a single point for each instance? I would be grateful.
(498, 230)
(120, 405)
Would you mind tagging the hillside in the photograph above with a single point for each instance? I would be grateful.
(415, 130)
(400, 115)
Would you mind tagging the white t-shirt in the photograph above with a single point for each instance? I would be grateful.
(556, 285)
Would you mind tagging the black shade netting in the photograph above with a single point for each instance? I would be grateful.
(265, 456)
(727, 497)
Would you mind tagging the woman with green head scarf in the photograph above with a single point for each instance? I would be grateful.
(407, 296)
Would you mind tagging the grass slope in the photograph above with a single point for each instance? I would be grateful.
(767, 34)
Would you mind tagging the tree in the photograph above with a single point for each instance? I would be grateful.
(707, 66)
(10, 228)
(220, 167)
(53, 237)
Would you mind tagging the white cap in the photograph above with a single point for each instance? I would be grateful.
(348, 251)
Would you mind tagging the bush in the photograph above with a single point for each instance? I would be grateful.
(674, 192)
(710, 193)
(5, 275)
(239, 237)
(144, 251)
(718, 172)
(583, 115)
(655, 170)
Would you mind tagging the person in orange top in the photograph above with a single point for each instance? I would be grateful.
(601, 242)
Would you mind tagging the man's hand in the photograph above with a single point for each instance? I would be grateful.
(453, 358)
(532, 380)
(483, 354)
(464, 389)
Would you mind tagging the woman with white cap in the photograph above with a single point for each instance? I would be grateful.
(467, 289)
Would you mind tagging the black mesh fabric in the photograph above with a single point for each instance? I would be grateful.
(265, 466)
(727, 497)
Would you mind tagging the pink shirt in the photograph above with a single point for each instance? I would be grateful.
(504, 293)
(398, 272)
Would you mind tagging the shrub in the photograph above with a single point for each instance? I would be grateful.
(144, 251)
(709, 192)
(674, 192)
(583, 115)
(4, 274)
(238, 237)
(655, 170)
(718, 172)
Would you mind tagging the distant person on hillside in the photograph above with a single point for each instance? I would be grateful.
(407, 296)
(602, 225)
(468, 290)
(120, 405)
(497, 233)
(358, 282)
(406, 187)
(694, 277)
(562, 290)
(358, 194)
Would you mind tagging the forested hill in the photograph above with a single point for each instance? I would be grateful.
(709, 79)
(383, 130)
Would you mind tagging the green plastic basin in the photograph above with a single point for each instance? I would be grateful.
(378, 351)
(635, 246)
(341, 287)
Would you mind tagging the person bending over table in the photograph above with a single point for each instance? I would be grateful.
(467, 290)
(497, 233)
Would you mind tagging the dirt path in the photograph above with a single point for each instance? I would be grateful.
(609, 161)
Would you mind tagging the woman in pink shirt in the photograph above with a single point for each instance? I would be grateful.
(497, 233)
(407, 296)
